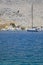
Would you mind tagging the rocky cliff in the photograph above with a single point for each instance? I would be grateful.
(20, 11)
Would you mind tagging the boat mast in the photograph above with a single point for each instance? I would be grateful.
(32, 14)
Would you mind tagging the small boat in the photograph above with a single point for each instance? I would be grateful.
(33, 30)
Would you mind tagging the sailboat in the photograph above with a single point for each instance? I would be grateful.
(33, 29)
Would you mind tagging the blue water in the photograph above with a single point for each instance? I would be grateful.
(21, 48)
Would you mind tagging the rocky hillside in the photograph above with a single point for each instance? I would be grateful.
(20, 11)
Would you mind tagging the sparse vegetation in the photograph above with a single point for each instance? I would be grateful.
(13, 25)
(22, 28)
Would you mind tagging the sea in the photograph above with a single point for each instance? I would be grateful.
(21, 48)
